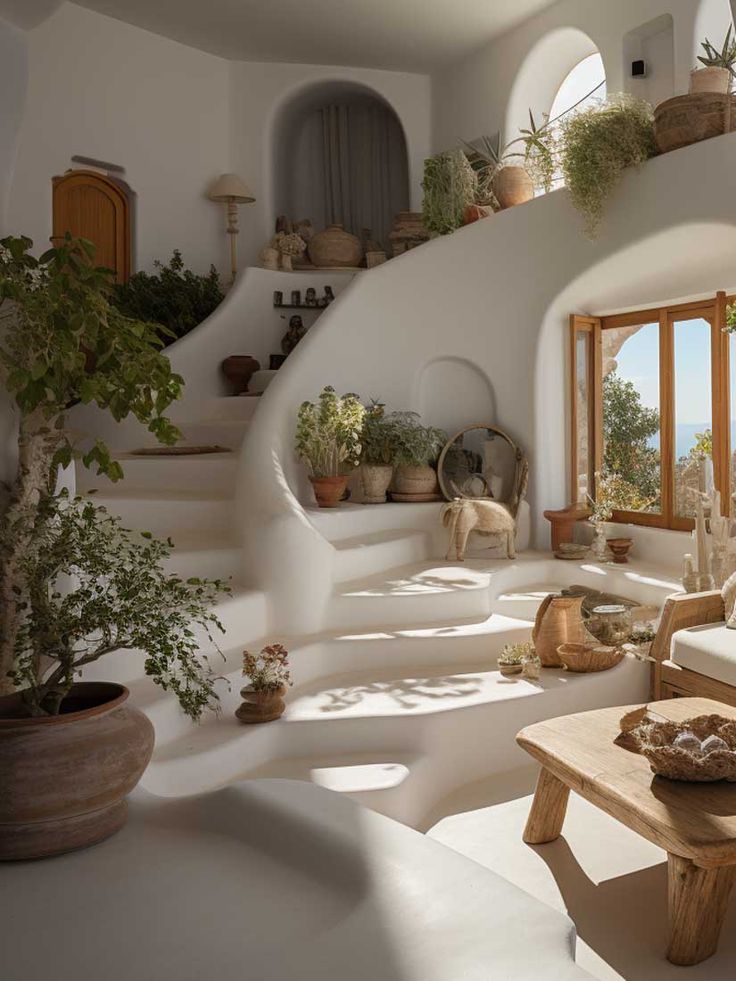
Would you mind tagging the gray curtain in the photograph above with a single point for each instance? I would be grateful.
(351, 168)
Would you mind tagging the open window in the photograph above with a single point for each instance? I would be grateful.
(650, 410)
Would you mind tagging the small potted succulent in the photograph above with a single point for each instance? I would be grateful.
(510, 661)
(417, 449)
(717, 73)
(328, 440)
(377, 454)
(642, 638)
(268, 674)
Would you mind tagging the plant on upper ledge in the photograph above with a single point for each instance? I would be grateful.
(718, 71)
(174, 297)
(450, 186)
(598, 145)
(328, 440)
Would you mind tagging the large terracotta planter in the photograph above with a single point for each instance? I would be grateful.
(335, 248)
(64, 778)
(512, 186)
(329, 491)
(375, 481)
(715, 80)
(415, 483)
(261, 706)
(688, 119)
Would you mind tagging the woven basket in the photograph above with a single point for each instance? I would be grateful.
(587, 658)
(654, 740)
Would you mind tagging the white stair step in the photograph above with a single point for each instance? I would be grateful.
(167, 512)
(366, 555)
(354, 520)
(414, 594)
(208, 556)
(261, 380)
(231, 407)
(214, 432)
(210, 474)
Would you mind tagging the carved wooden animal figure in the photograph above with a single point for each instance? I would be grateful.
(487, 517)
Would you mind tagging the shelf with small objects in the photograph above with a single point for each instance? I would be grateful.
(297, 328)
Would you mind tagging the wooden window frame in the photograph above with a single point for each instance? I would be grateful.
(714, 312)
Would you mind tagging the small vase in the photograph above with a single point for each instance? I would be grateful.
(261, 706)
(599, 546)
(511, 186)
(329, 491)
(375, 480)
(287, 264)
(711, 80)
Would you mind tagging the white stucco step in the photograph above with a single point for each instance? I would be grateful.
(207, 474)
(168, 512)
(368, 554)
(354, 520)
(214, 555)
(232, 407)
(214, 432)
(414, 594)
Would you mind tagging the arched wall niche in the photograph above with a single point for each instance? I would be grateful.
(452, 393)
(541, 74)
(653, 43)
(630, 279)
(297, 175)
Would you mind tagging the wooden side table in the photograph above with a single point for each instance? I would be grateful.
(563, 523)
(694, 823)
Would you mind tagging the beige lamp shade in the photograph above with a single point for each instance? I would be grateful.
(230, 187)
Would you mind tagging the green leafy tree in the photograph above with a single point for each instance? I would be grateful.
(62, 342)
(628, 427)
(174, 297)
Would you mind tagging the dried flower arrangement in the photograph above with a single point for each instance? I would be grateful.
(269, 670)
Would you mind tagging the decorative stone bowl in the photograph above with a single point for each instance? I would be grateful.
(261, 706)
(620, 548)
(654, 740)
(509, 668)
(588, 658)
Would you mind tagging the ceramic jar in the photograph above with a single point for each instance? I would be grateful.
(559, 621)
(335, 248)
(511, 186)
(261, 706)
(611, 624)
(64, 778)
(239, 369)
(717, 80)
(375, 480)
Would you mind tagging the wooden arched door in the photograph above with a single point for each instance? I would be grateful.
(90, 205)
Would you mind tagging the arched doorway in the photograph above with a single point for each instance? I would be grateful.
(340, 157)
(90, 205)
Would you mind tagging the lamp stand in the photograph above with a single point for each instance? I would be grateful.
(233, 230)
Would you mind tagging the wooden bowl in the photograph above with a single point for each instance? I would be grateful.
(654, 740)
(587, 658)
(620, 547)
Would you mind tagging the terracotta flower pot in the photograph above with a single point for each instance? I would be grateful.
(329, 491)
(710, 80)
(375, 481)
(334, 247)
(239, 369)
(511, 186)
(261, 706)
(419, 483)
(620, 547)
(65, 778)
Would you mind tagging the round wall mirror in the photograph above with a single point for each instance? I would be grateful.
(479, 462)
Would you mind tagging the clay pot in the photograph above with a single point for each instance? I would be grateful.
(261, 706)
(620, 547)
(65, 778)
(714, 80)
(511, 186)
(419, 483)
(375, 481)
(335, 248)
(474, 212)
(329, 491)
(688, 119)
(239, 369)
(559, 621)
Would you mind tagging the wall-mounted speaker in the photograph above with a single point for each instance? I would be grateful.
(639, 69)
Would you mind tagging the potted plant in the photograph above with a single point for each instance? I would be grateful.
(268, 674)
(717, 73)
(74, 586)
(598, 145)
(377, 454)
(417, 449)
(450, 186)
(328, 437)
(642, 638)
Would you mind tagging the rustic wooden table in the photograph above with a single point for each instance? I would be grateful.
(694, 823)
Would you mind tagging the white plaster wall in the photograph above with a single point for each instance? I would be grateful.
(103, 89)
(497, 294)
(260, 92)
(473, 98)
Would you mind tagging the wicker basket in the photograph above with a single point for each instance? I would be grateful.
(654, 740)
(587, 658)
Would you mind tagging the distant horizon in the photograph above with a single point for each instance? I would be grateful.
(685, 436)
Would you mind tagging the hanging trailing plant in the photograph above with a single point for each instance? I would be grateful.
(450, 185)
(598, 144)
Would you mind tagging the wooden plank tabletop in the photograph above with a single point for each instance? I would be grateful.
(695, 821)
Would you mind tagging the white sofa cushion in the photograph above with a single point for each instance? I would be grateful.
(709, 649)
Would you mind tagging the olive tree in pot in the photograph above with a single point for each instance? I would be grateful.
(417, 449)
(377, 454)
(327, 439)
(74, 585)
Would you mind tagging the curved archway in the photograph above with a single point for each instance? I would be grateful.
(340, 155)
(712, 20)
(544, 70)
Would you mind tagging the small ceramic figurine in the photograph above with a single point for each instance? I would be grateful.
(310, 297)
(296, 298)
(329, 295)
(294, 334)
(689, 575)
(488, 517)
(278, 298)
